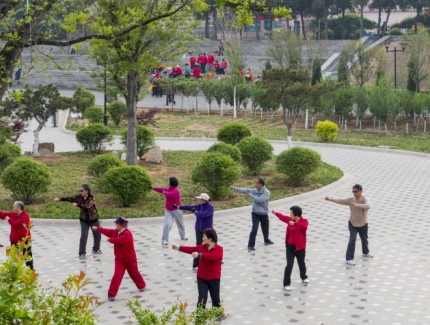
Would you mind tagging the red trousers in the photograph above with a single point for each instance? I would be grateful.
(133, 272)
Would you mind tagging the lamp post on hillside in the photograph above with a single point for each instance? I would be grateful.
(395, 50)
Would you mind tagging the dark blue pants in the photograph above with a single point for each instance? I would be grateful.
(353, 231)
(256, 219)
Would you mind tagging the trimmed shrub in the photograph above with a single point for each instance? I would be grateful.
(228, 150)
(145, 139)
(127, 184)
(8, 153)
(93, 137)
(102, 163)
(216, 172)
(255, 152)
(232, 133)
(297, 163)
(326, 131)
(26, 178)
(117, 110)
(82, 99)
(94, 114)
(395, 31)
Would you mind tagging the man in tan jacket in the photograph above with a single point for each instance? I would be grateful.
(359, 205)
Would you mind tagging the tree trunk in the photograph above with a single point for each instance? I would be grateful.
(36, 138)
(361, 18)
(215, 27)
(379, 21)
(386, 22)
(207, 32)
(342, 24)
(131, 100)
(10, 55)
(325, 22)
(289, 135)
(302, 18)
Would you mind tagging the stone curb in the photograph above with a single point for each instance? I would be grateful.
(281, 203)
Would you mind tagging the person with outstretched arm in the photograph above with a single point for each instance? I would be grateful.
(359, 205)
(204, 212)
(210, 256)
(125, 256)
(295, 243)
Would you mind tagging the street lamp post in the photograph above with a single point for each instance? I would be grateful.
(395, 50)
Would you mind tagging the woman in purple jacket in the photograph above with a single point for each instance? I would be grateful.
(204, 212)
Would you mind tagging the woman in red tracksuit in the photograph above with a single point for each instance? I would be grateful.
(295, 242)
(20, 225)
(125, 256)
(209, 272)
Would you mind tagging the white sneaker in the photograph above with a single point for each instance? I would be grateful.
(287, 288)
(305, 281)
(368, 255)
(350, 262)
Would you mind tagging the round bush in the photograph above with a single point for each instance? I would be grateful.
(228, 150)
(255, 152)
(94, 114)
(117, 110)
(127, 184)
(232, 133)
(145, 139)
(102, 163)
(93, 137)
(297, 163)
(395, 31)
(8, 153)
(216, 172)
(26, 178)
(326, 131)
(82, 99)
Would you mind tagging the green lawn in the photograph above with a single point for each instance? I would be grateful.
(69, 172)
(181, 124)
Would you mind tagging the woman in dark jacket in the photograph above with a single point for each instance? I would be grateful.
(88, 217)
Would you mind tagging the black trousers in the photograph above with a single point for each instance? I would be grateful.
(85, 227)
(292, 253)
(26, 250)
(256, 219)
(213, 286)
(199, 241)
(353, 231)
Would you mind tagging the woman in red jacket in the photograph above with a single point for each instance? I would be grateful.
(209, 272)
(20, 225)
(295, 242)
(125, 256)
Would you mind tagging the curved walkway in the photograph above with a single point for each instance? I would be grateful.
(392, 288)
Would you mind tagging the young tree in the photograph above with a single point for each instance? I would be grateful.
(293, 88)
(285, 49)
(39, 104)
(419, 60)
(381, 99)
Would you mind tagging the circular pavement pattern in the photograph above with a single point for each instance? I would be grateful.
(391, 288)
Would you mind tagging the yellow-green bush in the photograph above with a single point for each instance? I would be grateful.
(326, 131)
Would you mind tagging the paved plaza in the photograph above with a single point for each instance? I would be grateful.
(391, 288)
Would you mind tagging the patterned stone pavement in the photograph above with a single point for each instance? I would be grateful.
(392, 288)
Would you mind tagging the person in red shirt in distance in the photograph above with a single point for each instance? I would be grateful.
(210, 256)
(20, 225)
(196, 72)
(125, 256)
(295, 243)
(211, 60)
(192, 61)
